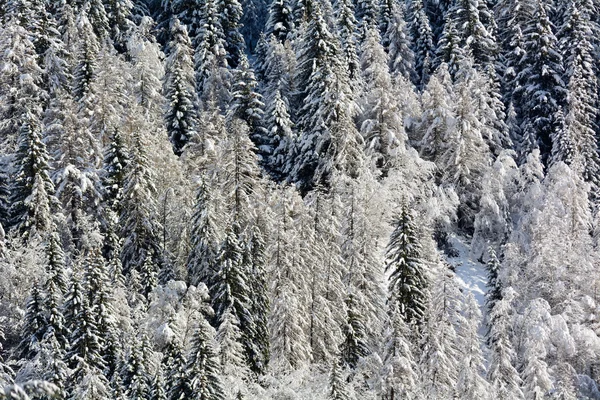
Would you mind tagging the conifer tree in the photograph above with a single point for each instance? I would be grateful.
(423, 46)
(542, 89)
(354, 345)
(34, 324)
(247, 104)
(397, 39)
(408, 278)
(494, 284)
(280, 22)
(203, 258)
(31, 197)
(179, 87)
(98, 18)
(328, 141)
(381, 120)
(280, 136)
(347, 31)
(119, 14)
(202, 369)
(139, 227)
(230, 15)
(501, 373)
(337, 384)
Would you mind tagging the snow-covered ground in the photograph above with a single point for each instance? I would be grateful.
(471, 274)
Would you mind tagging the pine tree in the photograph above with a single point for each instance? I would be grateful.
(347, 32)
(354, 346)
(400, 371)
(337, 384)
(469, 17)
(202, 369)
(212, 80)
(247, 104)
(280, 135)
(542, 89)
(137, 220)
(230, 15)
(401, 56)
(179, 87)
(408, 282)
(328, 141)
(119, 13)
(98, 17)
(231, 352)
(34, 324)
(423, 46)
(281, 21)
(203, 258)
(31, 198)
(501, 374)
(494, 284)
(381, 121)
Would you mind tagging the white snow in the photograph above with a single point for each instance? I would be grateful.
(470, 273)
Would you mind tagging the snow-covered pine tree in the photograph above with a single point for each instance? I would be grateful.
(98, 18)
(230, 16)
(32, 192)
(210, 61)
(34, 324)
(401, 56)
(439, 363)
(337, 384)
(281, 21)
(202, 370)
(501, 373)
(280, 136)
(247, 104)
(423, 46)
(138, 225)
(381, 122)
(469, 17)
(347, 32)
(542, 90)
(354, 332)
(180, 88)
(203, 258)
(119, 15)
(328, 141)
(471, 383)
(400, 374)
(494, 284)
(407, 286)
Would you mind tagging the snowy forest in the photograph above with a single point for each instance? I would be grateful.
(299, 199)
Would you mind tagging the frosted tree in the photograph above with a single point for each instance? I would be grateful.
(494, 284)
(401, 56)
(288, 322)
(381, 120)
(467, 156)
(179, 88)
(31, 197)
(400, 369)
(247, 104)
(438, 120)
(542, 89)
(423, 46)
(17, 96)
(347, 31)
(34, 324)
(501, 373)
(536, 379)
(354, 331)
(203, 369)
(328, 141)
(407, 286)
(119, 14)
(280, 135)
(202, 261)
(210, 61)
(280, 22)
(471, 383)
(98, 17)
(231, 352)
(337, 384)
(230, 15)
(139, 228)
